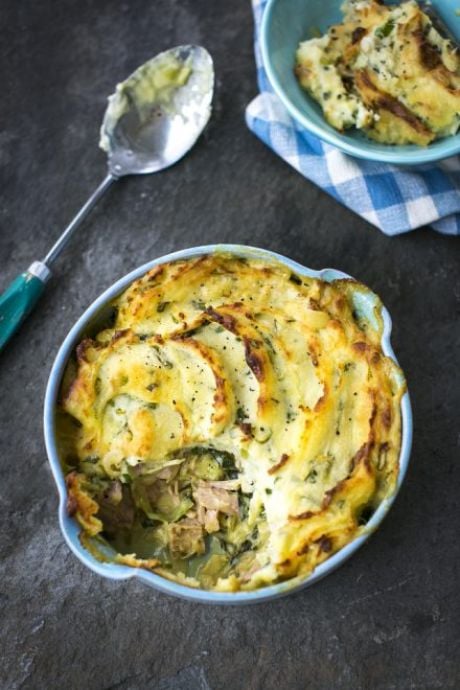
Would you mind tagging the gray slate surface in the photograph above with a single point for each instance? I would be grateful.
(388, 619)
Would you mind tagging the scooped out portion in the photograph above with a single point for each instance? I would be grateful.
(234, 426)
(387, 71)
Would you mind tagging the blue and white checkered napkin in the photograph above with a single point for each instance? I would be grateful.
(394, 199)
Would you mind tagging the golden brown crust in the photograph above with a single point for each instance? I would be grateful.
(81, 505)
(283, 460)
(394, 113)
(281, 373)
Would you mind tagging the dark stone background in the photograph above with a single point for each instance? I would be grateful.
(386, 619)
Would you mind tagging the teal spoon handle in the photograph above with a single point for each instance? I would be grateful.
(19, 299)
(22, 295)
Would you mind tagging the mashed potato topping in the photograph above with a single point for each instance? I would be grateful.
(386, 70)
(234, 426)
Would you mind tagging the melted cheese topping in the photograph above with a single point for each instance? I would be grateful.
(243, 358)
(385, 70)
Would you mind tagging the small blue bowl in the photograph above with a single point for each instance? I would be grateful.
(88, 322)
(285, 24)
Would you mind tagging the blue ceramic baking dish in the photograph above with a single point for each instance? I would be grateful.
(287, 22)
(70, 529)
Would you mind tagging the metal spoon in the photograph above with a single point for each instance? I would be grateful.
(152, 120)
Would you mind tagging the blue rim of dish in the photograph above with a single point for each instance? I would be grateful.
(419, 155)
(71, 530)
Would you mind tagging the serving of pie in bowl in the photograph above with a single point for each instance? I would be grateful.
(377, 79)
(387, 70)
(226, 424)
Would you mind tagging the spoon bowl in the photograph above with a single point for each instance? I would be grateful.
(156, 115)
